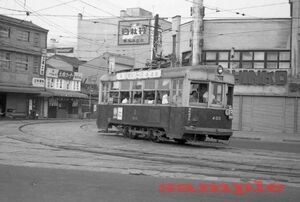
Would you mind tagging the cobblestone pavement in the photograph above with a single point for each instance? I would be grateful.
(78, 145)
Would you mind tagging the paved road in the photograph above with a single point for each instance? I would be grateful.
(26, 184)
(78, 146)
(269, 146)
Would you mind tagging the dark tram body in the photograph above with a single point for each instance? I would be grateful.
(182, 104)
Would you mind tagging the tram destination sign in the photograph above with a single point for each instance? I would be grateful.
(139, 75)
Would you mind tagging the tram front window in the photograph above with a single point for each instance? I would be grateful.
(199, 93)
(217, 95)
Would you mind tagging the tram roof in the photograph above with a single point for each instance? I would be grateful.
(199, 72)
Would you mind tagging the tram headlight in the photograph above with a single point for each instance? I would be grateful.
(220, 69)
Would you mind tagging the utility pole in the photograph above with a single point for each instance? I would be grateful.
(155, 37)
(198, 15)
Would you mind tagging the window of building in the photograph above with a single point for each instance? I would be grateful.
(4, 31)
(284, 59)
(4, 60)
(259, 56)
(23, 35)
(211, 56)
(36, 39)
(272, 59)
(272, 56)
(223, 56)
(36, 64)
(22, 62)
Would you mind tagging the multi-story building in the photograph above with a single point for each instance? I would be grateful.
(21, 67)
(130, 34)
(263, 55)
(63, 82)
(93, 70)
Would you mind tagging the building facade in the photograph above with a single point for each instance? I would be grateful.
(22, 63)
(130, 34)
(263, 55)
(63, 82)
(93, 70)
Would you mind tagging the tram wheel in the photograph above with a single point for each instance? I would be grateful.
(155, 137)
(126, 132)
(180, 141)
(132, 135)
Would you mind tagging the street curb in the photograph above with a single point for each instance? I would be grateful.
(274, 140)
(248, 138)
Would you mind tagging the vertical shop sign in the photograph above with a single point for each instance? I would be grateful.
(43, 62)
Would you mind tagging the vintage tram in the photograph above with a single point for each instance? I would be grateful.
(191, 103)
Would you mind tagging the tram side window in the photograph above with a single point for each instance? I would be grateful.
(137, 92)
(113, 97)
(124, 94)
(114, 92)
(149, 97)
(177, 85)
(104, 92)
(149, 92)
(136, 97)
(163, 91)
(198, 92)
(217, 96)
(124, 97)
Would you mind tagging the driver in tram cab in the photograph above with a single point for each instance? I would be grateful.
(203, 98)
(194, 96)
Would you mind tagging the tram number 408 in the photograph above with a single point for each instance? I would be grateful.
(216, 118)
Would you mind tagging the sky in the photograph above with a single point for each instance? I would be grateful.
(60, 16)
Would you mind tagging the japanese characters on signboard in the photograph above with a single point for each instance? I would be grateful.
(50, 72)
(77, 76)
(139, 75)
(62, 74)
(43, 62)
(38, 82)
(134, 32)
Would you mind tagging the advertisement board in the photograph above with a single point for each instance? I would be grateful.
(134, 32)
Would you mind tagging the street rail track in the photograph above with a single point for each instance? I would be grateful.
(259, 165)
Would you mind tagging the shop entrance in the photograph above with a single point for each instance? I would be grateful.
(2, 104)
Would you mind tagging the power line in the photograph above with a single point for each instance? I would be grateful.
(99, 9)
(42, 9)
(9, 9)
(236, 10)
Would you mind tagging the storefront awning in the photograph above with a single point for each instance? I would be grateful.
(15, 89)
(64, 93)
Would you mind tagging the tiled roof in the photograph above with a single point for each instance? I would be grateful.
(75, 62)
(21, 23)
